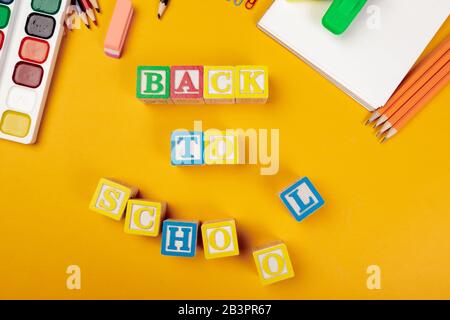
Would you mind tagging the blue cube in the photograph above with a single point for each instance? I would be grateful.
(179, 238)
(301, 199)
(186, 148)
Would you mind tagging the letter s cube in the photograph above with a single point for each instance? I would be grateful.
(111, 197)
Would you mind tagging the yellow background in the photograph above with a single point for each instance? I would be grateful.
(385, 204)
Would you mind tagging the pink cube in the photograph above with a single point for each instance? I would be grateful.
(186, 84)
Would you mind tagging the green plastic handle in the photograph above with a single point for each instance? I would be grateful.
(341, 14)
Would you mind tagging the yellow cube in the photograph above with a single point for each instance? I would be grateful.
(273, 262)
(144, 217)
(222, 147)
(251, 84)
(218, 84)
(220, 238)
(110, 198)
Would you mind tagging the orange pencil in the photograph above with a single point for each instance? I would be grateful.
(416, 72)
(414, 88)
(419, 106)
(416, 98)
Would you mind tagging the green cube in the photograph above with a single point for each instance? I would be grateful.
(46, 6)
(153, 84)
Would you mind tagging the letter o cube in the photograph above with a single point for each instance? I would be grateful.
(273, 262)
(220, 238)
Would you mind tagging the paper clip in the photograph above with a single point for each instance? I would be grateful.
(250, 4)
(237, 3)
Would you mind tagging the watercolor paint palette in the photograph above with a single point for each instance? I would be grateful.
(30, 36)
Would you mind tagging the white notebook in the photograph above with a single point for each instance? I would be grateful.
(376, 52)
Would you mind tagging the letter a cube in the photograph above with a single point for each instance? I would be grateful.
(222, 147)
(301, 199)
(186, 84)
(273, 262)
(153, 84)
(144, 217)
(111, 197)
(220, 238)
(252, 84)
(187, 148)
(219, 85)
(179, 238)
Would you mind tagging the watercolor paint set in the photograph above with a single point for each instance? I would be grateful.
(30, 36)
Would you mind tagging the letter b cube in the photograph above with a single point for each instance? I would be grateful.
(153, 84)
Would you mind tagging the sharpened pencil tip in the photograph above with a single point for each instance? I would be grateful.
(367, 122)
(98, 10)
(383, 140)
(159, 16)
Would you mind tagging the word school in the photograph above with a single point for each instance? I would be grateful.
(202, 84)
(179, 237)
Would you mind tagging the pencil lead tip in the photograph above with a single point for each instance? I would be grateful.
(159, 16)
(98, 10)
(367, 122)
(383, 140)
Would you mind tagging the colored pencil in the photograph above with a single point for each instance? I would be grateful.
(414, 100)
(415, 110)
(82, 14)
(94, 4)
(68, 19)
(162, 7)
(418, 70)
(86, 6)
(429, 74)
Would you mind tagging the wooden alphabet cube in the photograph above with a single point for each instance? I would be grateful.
(179, 238)
(220, 238)
(153, 84)
(273, 262)
(111, 197)
(301, 199)
(219, 85)
(187, 148)
(186, 84)
(144, 217)
(252, 84)
(222, 147)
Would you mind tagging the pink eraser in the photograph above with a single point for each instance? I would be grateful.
(118, 28)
